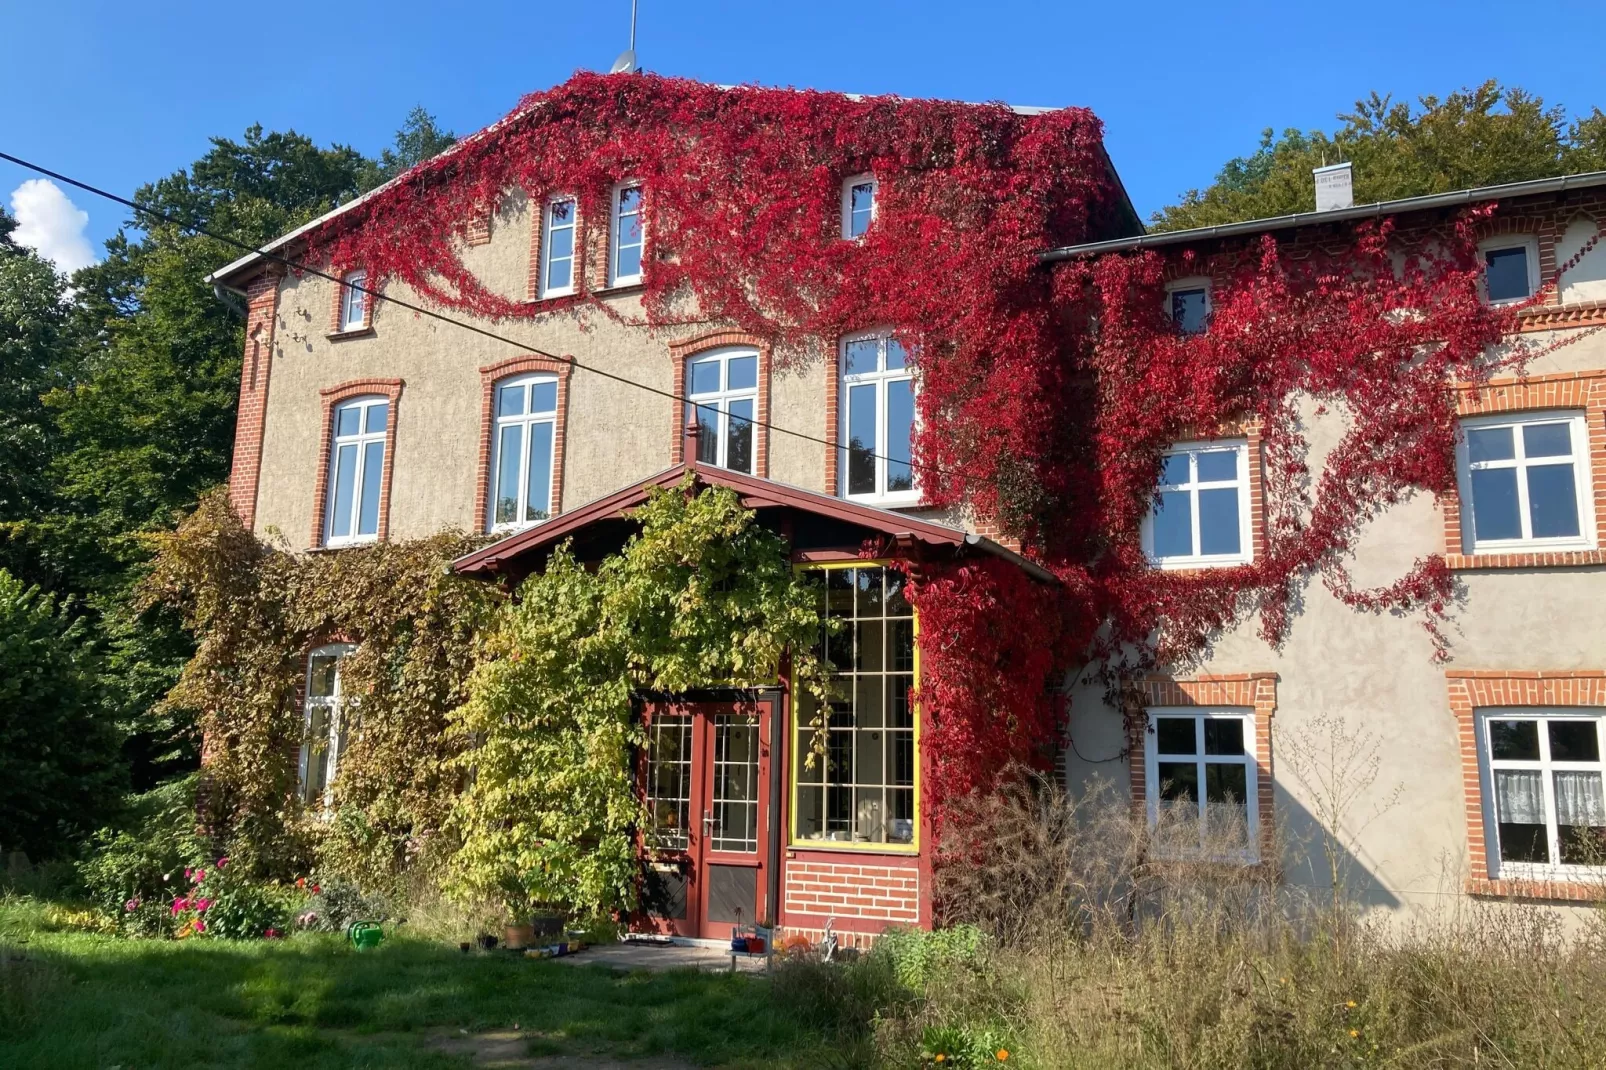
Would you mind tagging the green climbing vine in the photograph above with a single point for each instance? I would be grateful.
(703, 597)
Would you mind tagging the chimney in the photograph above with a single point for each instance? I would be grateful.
(1333, 187)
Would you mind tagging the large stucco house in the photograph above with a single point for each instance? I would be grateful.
(361, 421)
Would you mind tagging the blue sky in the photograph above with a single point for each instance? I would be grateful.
(119, 94)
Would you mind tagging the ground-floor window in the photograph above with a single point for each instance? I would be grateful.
(861, 790)
(322, 725)
(1201, 770)
(1542, 779)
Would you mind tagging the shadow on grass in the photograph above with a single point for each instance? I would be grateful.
(78, 1000)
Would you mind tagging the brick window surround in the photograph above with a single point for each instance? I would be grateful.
(1253, 691)
(1250, 431)
(335, 332)
(490, 375)
(681, 352)
(1472, 689)
(590, 254)
(332, 396)
(1578, 391)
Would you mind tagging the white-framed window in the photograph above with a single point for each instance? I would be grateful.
(558, 224)
(1525, 482)
(1510, 268)
(1187, 302)
(722, 396)
(1201, 776)
(523, 444)
(624, 263)
(858, 205)
(1542, 797)
(353, 302)
(322, 724)
(877, 420)
(1200, 518)
(356, 471)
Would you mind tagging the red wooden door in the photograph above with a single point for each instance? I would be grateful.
(707, 788)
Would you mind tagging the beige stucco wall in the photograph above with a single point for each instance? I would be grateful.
(617, 433)
(1377, 674)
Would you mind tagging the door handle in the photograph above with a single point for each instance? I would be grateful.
(708, 823)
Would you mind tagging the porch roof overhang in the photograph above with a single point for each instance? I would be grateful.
(521, 552)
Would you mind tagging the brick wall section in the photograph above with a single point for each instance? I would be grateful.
(835, 889)
(1471, 689)
(1584, 391)
(250, 422)
(492, 374)
(478, 231)
(1253, 690)
(680, 352)
(333, 396)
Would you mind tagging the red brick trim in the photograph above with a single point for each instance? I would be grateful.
(331, 397)
(1584, 390)
(1253, 690)
(478, 230)
(336, 330)
(492, 374)
(681, 352)
(872, 891)
(584, 255)
(1471, 689)
(1251, 431)
(250, 422)
(833, 423)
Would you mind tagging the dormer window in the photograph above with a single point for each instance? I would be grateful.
(1510, 269)
(858, 205)
(1188, 304)
(353, 301)
(557, 248)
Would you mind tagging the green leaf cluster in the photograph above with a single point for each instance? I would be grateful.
(1473, 137)
(703, 596)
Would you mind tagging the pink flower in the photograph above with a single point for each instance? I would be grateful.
(200, 875)
(222, 861)
(271, 934)
(201, 905)
(200, 926)
(180, 904)
(187, 872)
(131, 906)
(315, 889)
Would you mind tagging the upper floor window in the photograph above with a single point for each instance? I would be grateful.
(1526, 478)
(1188, 304)
(557, 247)
(1510, 268)
(625, 266)
(1202, 776)
(1542, 779)
(1201, 516)
(878, 420)
(722, 396)
(353, 302)
(322, 724)
(523, 443)
(858, 205)
(356, 471)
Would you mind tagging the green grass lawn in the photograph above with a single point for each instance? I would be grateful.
(70, 999)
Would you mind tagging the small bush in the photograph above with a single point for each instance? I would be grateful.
(240, 909)
(338, 903)
(135, 872)
(918, 955)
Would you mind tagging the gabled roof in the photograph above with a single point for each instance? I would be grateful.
(1557, 184)
(753, 493)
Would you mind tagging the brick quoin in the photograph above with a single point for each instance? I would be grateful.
(681, 352)
(332, 396)
(250, 423)
(1256, 691)
(490, 375)
(1472, 689)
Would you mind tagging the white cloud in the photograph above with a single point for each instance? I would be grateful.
(51, 225)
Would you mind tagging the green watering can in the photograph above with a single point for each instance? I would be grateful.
(365, 934)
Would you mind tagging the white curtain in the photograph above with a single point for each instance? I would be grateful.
(1579, 799)
(1520, 796)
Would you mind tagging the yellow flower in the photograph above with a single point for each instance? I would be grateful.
(1354, 1032)
(939, 1058)
(1350, 1004)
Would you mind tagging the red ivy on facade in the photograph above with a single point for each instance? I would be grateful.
(1047, 395)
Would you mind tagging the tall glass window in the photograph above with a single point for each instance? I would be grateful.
(858, 205)
(627, 236)
(353, 302)
(669, 781)
(1525, 482)
(861, 790)
(356, 471)
(522, 450)
(878, 420)
(1201, 516)
(1201, 774)
(557, 247)
(722, 396)
(1542, 776)
(322, 724)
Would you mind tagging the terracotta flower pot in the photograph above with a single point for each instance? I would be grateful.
(520, 936)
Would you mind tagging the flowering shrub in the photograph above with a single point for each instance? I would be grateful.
(219, 901)
(336, 903)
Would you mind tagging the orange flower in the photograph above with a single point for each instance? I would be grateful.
(1001, 1054)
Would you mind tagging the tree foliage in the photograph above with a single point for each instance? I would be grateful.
(702, 597)
(59, 770)
(1473, 137)
(418, 140)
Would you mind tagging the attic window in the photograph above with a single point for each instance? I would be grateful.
(858, 205)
